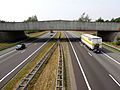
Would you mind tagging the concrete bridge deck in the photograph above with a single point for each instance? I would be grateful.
(11, 31)
(59, 25)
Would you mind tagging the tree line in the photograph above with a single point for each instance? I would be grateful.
(83, 18)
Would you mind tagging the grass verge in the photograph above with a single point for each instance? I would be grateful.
(110, 48)
(113, 44)
(13, 83)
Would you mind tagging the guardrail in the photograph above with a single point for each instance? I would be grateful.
(59, 78)
(112, 46)
(25, 82)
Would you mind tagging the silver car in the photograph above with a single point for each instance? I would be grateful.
(20, 46)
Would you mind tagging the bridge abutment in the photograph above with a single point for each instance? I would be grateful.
(12, 36)
(110, 36)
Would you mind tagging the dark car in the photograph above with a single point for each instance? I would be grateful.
(20, 46)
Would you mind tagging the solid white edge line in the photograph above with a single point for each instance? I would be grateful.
(22, 62)
(6, 53)
(89, 88)
(105, 54)
(15, 50)
(114, 80)
(111, 58)
(90, 54)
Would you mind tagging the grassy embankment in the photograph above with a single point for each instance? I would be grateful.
(105, 46)
(13, 83)
(110, 48)
(30, 36)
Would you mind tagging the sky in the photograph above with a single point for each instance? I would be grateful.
(20, 10)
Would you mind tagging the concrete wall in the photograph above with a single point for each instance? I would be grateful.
(12, 36)
(108, 36)
(60, 25)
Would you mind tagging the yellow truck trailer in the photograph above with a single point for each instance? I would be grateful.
(93, 42)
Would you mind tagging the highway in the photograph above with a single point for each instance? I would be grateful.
(13, 61)
(93, 71)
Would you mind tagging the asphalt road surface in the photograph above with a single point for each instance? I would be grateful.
(93, 71)
(13, 61)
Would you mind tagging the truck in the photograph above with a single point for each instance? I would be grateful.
(92, 42)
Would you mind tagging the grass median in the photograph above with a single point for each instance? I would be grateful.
(45, 79)
(67, 83)
(13, 83)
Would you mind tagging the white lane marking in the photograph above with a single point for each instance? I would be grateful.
(3, 60)
(89, 88)
(114, 80)
(23, 61)
(23, 51)
(111, 58)
(106, 55)
(7, 53)
(15, 50)
(20, 64)
(90, 54)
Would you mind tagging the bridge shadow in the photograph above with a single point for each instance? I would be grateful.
(39, 40)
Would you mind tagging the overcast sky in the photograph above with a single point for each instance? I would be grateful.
(20, 10)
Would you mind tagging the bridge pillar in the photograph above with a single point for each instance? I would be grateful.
(51, 31)
(12, 36)
(109, 36)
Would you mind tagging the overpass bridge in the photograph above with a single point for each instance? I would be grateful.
(108, 31)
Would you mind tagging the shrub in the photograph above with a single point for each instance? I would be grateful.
(118, 42)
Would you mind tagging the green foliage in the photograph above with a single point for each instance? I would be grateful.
(84, 18)
(115, 20)
(118, 38)
(31, 19)
(118, 41)
(112, 20)
(100, 20)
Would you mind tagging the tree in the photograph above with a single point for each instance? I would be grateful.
(31, 19)
(115, 20)
(2, 21)
(100, 20)
(84, 18)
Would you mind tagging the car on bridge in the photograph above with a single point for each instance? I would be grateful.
(20, 46)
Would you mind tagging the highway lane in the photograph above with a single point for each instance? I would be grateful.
(11, 63)
(12, 50)
(95, 76)
(109, 60)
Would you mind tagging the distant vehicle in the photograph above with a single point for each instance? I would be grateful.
(20, 46)
(51, 34)
(93, 42)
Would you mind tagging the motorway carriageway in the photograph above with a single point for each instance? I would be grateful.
(13, 61)
(93, 71)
